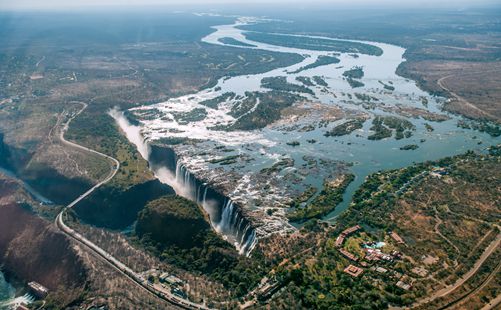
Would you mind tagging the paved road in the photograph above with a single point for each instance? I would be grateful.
(449, 289)
(107, 257)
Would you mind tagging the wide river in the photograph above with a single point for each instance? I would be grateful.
(265, 147)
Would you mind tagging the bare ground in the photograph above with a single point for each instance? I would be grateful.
(473, 87)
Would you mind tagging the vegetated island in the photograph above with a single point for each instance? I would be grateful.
(321, 61)
(232, 41)
(326, 201)
(318, 44)
(353, 75)
(345, 128)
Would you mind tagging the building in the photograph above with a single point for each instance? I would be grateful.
(439, 171)
(178, 293)
(420, 271)
(170, 279)
(353, 271)
(38, 289)
(404, 285)
(163, 277)
(372, 257)
(339, 240)
(381, 270)
(351, 230)
(397, 238)
(348, 255)
(345, 233)
(267, 290)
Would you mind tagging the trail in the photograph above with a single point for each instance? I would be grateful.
(460, 99)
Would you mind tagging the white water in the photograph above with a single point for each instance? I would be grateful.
(8, 299)
(240, 233)
(15, 302)
(134, 135)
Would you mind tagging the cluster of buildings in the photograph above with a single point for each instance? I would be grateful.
(175, 284)
(438, 172)
(373, 253)
(170, 279)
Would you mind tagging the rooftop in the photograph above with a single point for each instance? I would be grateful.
(353, 271)
(397, 238)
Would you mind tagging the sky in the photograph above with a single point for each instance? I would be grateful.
(78, 4)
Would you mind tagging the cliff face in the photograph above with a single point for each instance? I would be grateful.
(173, 220)
(116, 208)
(32, 250)
(59, 188)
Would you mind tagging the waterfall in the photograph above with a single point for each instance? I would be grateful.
(225, 217)
(17, 301)
(224, 214)
(233, 224)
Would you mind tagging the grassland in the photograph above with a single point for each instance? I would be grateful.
(474, 87)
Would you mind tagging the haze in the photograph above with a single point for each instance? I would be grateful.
(61, 4)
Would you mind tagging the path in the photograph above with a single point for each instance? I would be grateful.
(460, 99)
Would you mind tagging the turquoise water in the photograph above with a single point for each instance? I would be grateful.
(7, 292)
(378, 245)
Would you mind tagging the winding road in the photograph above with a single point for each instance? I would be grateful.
(105, 256)
(449, 289)
(441, 82)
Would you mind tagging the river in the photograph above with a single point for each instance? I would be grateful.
(330, 155)
(7, 292)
